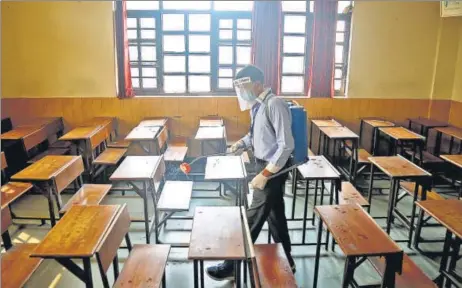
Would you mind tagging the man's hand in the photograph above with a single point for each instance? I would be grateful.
(237, 146)
(259, 181)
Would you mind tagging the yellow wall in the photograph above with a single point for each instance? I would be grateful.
(57, 49)
(457, 90)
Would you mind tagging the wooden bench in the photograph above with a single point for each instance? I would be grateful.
(409, 187)
(50, 151)
(110, 156)
(349, 195)
(176, 196)
(428, 158)
(12, 191)
(273, 267)
(363, 155)
(411, 277)
(145, 266)
(119, 142)
(89, 194)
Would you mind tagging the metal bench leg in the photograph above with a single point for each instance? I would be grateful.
(348, 273)
(7, 240)
(315, 199)
(196, 274)
(317, 257)
(305, 212)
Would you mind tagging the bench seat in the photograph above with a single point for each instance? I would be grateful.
(61, 144)
(119, 143)
(12, 191)
(17, 266)
(363, 155)
(144, 267)
(350, 195)
(409, 187)
(110, 156)
(273, 267)
(411, 277)
(428, 158)
(175, 196)
(175, 153)
(51, 151)
(89, 194)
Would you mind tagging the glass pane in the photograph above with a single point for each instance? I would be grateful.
(225, 55)
(341, 25)
(132, 34)
(224, 72)
(199, 64)
(294, 24)
(340, 37)
(338, 73)
(337, 84)
(149, 83)
(292, 84)
(297, 6)
(243, 55)
(312, 6)
(342, 5)
(233, 5)
(149, 72)
(338, 54)
(134, 72)
(293, 64)
(199, 83)
(244, 24)
(148, 34)
(148, 23)
(174, 64)
(174, 43)
(243, 35)
(187, 5)
(174, 84)
(142, 5)
(133, 53)
(226, 23)
(131, 23)
(225, 83)
(199, 22)
(148, 53)
(226, 34)
(199, 43)
(294, 44)
(136, 83)
(173, 22)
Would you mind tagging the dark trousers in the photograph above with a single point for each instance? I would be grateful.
(268, 205)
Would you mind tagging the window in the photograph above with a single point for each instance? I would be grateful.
(342, 46)
(296, 45)
(171, 45)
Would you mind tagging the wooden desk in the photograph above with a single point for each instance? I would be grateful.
(453, 159)
(318, 169)
(153, 123)
(81, 140)
(51, 175)
(72, 238)
(359, 236)
(398, 168)
(426, 124)
(144, 137)
(12, 191)
(217, 234)
(175, 153)
(320, 123)
(449, 214)
(214, 137)
(107, 123)
(147, 171)
(30, 136)
(453, 133)
(204, 122)
(53, 126)
(374, 139)
(337, 135)
(402, 136)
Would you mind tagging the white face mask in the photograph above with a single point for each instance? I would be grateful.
(244, 93)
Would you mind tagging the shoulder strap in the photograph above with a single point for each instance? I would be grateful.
(268, 98)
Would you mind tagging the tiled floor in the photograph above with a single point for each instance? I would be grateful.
(179, 272)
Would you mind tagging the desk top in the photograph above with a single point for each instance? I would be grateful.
(451, 131)
(318, 167)
(356, 233)
(78, 233)
(205, 133)
(338, 132)
(446, 212)
(204, 122)
(3, 159)
(80, 133)
(378, 123)
(398, 167)
(136, 168)
(12, 191)
(176, 153)
(141, 133)
(427, 122)
(401, 133)
(46, 168)
(153, 122)
(224, 167)
(326, 123)
(103, 121)
(20, 132)
(217, 234)
(454, 159)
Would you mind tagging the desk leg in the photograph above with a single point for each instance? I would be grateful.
(444, 259)
(418, 229)
(315, 200)
(391, 201)
(318, 250)
(438, 143)
(319, 143)
(146, 214)
(196, 274)
(237, 273)
(155, 214)
(294, 191)
(416, 194)
(371, 185)
(389, 273)
(51, 206)
(305, 211)
(375, 141)
(6, 240)
(201, 267)
(454, 255)
(348, 272)
(87, 272)
(115, 266)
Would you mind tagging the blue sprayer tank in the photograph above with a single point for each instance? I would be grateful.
(299, 132)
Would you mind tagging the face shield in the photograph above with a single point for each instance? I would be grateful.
(244, 93)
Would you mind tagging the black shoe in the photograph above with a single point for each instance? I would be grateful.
(221, 272)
